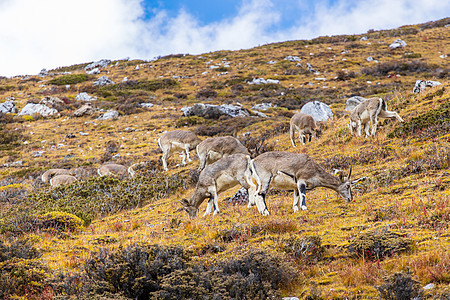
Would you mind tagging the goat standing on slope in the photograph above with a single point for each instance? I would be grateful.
(305, 125)
(178, 140)
(292, 171)
(367, 113)
(213, 149)
(218, 177)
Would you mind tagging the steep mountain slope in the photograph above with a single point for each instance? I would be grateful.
(95, 233)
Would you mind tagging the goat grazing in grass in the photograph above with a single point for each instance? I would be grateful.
(110, 169)
(292, 171)
(177, 141)
(213, 149)
(218, 177)
(367, 113)
(305, 125)
(62, 179)
(53, 172)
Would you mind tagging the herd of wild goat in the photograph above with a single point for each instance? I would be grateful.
(225, 163)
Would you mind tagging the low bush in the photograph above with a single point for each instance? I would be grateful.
(379, 243)
(401, 67)
(308, 250)
(400, 286)
(226, 127)
(153, 272)
(9, 139)
(189, 121)
(69, 79)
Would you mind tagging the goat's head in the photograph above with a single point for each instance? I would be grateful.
(345, 187)
(189, 208)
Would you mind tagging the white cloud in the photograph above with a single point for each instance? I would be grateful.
(51, 33)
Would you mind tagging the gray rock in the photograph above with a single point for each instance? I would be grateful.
(50, 101)
(210, 111)
(429, 286)
(423, 84)
(398, 43)
(148, 105)
(111, 114)
(94, 71)
(8, 107)
(262, 106)
(103, 81)
(263, 81)
(103, 63)
(85, 110)
(85, 97)
(39, 109)
(318, 110)
(310, 68)
(293, 58)
(352, 102)
(43, 73)
(290, 298)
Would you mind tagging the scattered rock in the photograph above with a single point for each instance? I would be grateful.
(240, 197)
(364, 38)
(8, 107)
(147, 105)
(263, 81)
(103, 63)
(111, 114)
(210, 111)
(85, 110)
(310, 68)
(429, 286)
(262, 106)
(353, 102)
(85, 97)
(94, 71)
(318, 110)
(293, 58)
(103, 81)
(70, 135)
(39, 109)
(398, 43)
(43, 73)
(290, 298)
(53, 102)
(370, 58)
(423, 84)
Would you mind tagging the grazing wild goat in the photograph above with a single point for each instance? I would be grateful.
(110, 169)
(213, 149)
(177, 141)
(53, 172)
(305, 125)
(217, 177)
(367, 113)
(292, 171)
(62, 179)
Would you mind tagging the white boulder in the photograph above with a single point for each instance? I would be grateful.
(83, 96)
(103, 63)
(8, 107)
(352, 102)
(210, 111)
(104, 80)
(398, 43)
(39, 109)
(423, 84)
(111, 114)
(318, 110)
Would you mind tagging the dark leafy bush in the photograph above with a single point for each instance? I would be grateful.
(227, 127)
(433, 24)
(404, 68)
(206, 93)
(153, 272)
(400, 286)
(9, 139)
(378, 244)
(308, 249)
(366, 156)
(18, 249)
(69, 79)
(189, 121)
(131, 87)
(22, 278)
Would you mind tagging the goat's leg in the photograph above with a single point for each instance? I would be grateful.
(216, 202)
(202, 157)
(209, 207)
(374, 126)
(292, 135)
(301, 185)
(261, 196)
(358, 128)
(186, 149)
(302, 136)
(183, 156)
(164, 158)
(367, 128)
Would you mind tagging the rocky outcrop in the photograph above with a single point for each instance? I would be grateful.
(423, 84)
(318, 110)
(398, 43)
(37, 109)
(103, 63)
(262, 106)
(263, 81)
(85, 97)
(103, 81)
(111, 114)
(210, 111)
(353, 102)
(8, 107)
(85, 110)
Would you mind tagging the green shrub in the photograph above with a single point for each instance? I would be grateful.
(60, 221)
(9, 139)
(69, 79)
(400, 286)
(308, 249)
(379, 243)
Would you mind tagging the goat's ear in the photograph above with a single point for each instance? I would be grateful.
(349, 173)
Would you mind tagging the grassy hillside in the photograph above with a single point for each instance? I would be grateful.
(107, 238)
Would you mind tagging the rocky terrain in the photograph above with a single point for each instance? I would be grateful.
(128, 238)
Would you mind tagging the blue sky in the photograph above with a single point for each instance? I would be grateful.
(52, 33)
